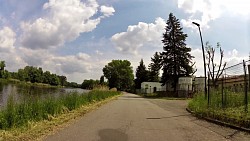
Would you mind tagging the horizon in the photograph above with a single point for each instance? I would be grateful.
(78, 38)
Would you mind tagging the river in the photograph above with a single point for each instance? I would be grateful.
(21, 92)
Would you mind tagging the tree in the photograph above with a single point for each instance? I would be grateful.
(46, 77)
(2, 66)
(141, 75)
(89, 84)
(212, 72)
(119, 74)
(63, 80)
(155, 67)
(54, 80)
(102, 79)
(177, 60)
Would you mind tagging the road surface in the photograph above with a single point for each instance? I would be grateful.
(132, 118)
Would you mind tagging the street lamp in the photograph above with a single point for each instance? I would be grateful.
(204, 61)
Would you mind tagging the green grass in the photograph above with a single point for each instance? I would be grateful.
(18, 115)
(232, 110)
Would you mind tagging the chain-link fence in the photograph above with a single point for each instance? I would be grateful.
(231, 89)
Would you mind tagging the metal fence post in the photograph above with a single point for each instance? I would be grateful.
(208, 89)
(245, 83)
(249, 77)
(222, 92)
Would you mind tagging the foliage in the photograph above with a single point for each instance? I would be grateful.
(119, 74)
(154, 67)
(141, 75)
(18, 115)
(2, 65)
(73, 85)
(33, 75)
(232, 112)
(102, 80)
(89, 84)
(3, 73)
(62, 80)
(177, 60)
(214, 74)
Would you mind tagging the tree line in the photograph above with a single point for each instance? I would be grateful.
(34, 75)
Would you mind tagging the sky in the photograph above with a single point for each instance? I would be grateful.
(77, 38)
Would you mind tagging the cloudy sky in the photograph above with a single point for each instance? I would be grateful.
(77, 38)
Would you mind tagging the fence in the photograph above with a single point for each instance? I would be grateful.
(231, 89)
(183, 91)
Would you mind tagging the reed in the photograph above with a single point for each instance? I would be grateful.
(16, 115)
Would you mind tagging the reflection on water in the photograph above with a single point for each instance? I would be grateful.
(22, 92)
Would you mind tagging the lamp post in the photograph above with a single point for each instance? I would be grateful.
(204, 61)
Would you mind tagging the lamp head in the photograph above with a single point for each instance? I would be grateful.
(196, 23)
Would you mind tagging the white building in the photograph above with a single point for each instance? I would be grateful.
(185, 83)
(185, 86)
(199, 84)
(152, 87)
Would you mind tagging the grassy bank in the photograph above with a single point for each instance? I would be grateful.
(232, 112)
(17, 118)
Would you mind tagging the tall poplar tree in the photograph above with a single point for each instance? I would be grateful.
(177, 60)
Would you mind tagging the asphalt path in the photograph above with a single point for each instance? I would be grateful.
(132, 118)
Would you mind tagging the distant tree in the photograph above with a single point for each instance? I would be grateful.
(54, 80)
(22, 75)
(177, 60)
(141, 75)
(47, 77)
(119, 74)
(89, 84)
(63, 80)
(73, 85)
(214, 70)
(2, 66)
(102, 79)
(154, 67)
(34, 74)
(5, 74)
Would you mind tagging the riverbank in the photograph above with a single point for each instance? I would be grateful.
(35, 129)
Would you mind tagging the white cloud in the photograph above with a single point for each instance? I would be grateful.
(68, 64)
(82, 56)
(64, 22)
(211, 10)
(139, 35)
(7, 39)
(98, 52)
(107, 11)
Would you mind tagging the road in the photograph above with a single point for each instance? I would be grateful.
(132, 118)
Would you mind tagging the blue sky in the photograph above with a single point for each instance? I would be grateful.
(77, 38)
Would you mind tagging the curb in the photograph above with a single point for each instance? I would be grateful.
(219, 122)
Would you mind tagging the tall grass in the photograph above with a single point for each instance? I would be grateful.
(16, 115)
(231, 110)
